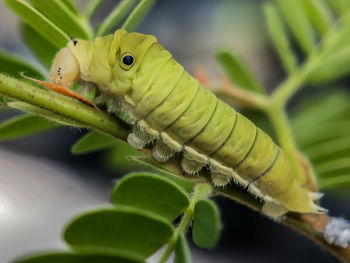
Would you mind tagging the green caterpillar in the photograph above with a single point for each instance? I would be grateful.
(170, 107)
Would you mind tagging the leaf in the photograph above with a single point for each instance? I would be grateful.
(318, 14)
(182, 251)
(117, 159)
(331, 68)
(92, 142)
(206, 224)
(70, 257)
(152, 193)
(40, 47)
(326, 149)
(122, 228)
(92, 7)
(340, 6)
(44, 113)
(335, 182)
(140, 11)
(117, 14)
(24, 125)
(298, 23)
(13, 65)
(63, 17)
(39, 22)
(70, 5)
(169, 170)
(330, 167)
(237, 71)
(279, 38)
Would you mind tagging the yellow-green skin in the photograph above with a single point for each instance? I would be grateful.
(171, 107)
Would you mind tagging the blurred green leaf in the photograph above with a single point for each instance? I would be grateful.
(339, 181)
(117, 159)
(122, 228)
(63, 17)
(92, 7)
(332, 68)
(70, 257)
(13, 65)
(206, 224)
(117, 14)
(237, 71)
(151, 192)
(139, 12)
(92, 142)
(319, 15)
(340, 6)
(329, 167)
(298, 23)
(39, 22)
(24, 125)
(167, 170)
(182, 251)
(328, 148)
(279, 38)
(70, 5)
(44, 113)
(40, 47)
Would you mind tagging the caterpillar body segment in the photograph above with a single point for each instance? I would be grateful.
(174, 114)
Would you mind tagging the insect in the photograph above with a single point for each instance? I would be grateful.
(173, 111)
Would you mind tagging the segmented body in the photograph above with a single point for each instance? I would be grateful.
(173, 111)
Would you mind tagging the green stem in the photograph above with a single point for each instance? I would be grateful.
(62, 105)
(280, 122)
(200, 191)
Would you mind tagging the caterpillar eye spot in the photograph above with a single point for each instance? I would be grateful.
(127, 61)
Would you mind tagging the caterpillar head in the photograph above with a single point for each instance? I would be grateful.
(65, 68)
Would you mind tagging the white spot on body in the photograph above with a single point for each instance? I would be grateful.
(337, 232)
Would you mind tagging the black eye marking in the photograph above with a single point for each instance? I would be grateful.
(75, 42)
(128, 60)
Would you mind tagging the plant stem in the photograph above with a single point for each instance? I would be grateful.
(200, 191)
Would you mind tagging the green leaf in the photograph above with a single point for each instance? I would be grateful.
(328, 148)
(92, 7)
(24, 125)
(318, 14)
(140, 11)
(182, 251)
(330, 167)
(279, 38)
(92, 142)
(13, 65)
(70, 257)
(169, 170)
(70, 5)
(206, 224)
(40, 47)
(340, 6)
(122, 228)
(337, 182)
(298, 23)
(117, 159)
(63, 17)
(332, 68)
(39, 22)
(151, 192)
(118, 13)
(44, 113)
(237, 71)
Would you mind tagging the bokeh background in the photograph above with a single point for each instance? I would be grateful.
(42, 185)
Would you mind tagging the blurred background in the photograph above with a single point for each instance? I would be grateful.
(42, 185)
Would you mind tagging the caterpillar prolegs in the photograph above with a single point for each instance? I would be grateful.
(171, 110)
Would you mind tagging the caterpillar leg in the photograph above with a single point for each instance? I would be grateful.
(139, 138)
(274, 210)
(162, 152)
(190, 166)
(220, 179)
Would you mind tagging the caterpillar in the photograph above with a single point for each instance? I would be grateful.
(172, 112)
